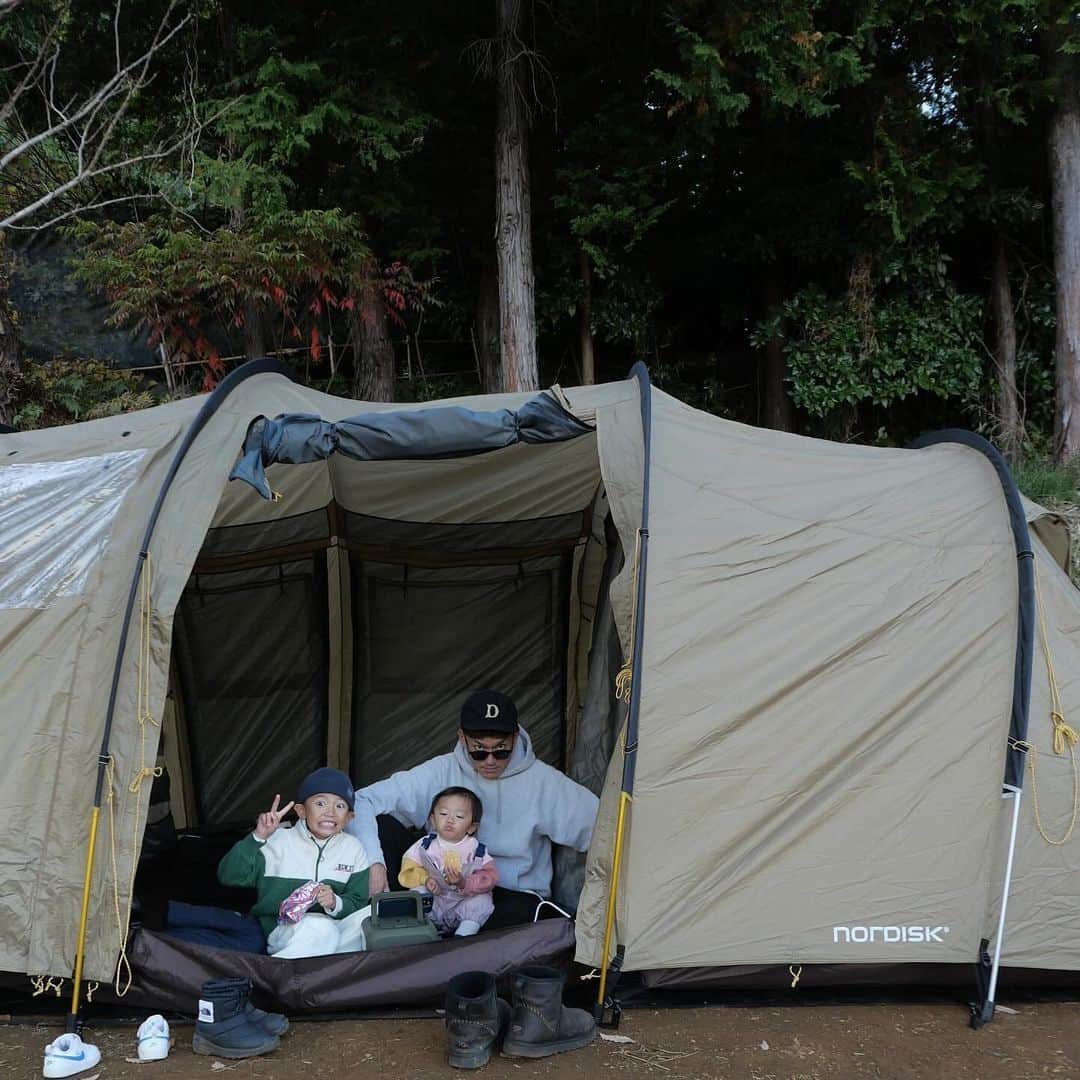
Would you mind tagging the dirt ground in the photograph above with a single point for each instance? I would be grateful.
(805, 1042)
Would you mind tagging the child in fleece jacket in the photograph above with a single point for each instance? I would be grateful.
(315, 859)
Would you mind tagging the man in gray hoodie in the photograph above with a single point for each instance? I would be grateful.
(528, 806)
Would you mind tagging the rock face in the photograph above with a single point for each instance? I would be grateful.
(58, 317)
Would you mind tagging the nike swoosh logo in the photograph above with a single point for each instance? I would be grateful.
(71, 1057)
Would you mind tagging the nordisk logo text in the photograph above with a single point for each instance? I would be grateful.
(864, 935)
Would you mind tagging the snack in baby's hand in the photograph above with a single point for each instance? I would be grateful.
(452, 861)
(295, 905)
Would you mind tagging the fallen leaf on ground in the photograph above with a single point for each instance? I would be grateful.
(615, 1038)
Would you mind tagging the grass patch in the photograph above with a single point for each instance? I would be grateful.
(1048, 484)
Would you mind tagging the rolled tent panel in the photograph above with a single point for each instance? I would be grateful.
(442, 431)
(1043, 924)
(828, 670)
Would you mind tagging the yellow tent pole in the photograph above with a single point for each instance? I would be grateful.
(624, 801)
(80, 946)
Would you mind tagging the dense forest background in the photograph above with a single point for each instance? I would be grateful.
(857, 219)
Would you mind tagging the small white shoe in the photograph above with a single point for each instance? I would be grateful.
(153, 1038)
(467, 928)
(68, 1055)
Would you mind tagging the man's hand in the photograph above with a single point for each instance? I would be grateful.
(267, 824)
(432, 886)
(376, 878)
(325, 898)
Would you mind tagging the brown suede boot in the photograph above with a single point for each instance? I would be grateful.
(539, 1024)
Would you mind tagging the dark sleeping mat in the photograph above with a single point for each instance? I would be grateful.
(167, 973)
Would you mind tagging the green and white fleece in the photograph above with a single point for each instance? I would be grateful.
(291, 858)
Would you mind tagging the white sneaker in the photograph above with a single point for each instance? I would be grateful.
(69, 1055)
(467, 928)
(152, 1040)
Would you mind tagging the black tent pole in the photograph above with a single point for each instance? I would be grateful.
(213, 402)
(609, 966)
(982, 1011)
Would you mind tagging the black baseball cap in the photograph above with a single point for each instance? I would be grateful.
(488, 710)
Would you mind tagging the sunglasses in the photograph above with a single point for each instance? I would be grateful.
(499, 755)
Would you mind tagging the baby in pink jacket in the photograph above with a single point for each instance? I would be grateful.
(452, 864)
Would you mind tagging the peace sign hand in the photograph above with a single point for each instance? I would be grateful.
(267, 824)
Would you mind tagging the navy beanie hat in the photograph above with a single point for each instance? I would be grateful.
(488, 710)
(328, 781)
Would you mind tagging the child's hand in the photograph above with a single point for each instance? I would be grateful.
(267, 824)
(324, 897)
(453, 877)
(432, 886)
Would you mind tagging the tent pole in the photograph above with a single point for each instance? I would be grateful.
(80, 947)
(628, 686)
(986, 1010)
(609, 925)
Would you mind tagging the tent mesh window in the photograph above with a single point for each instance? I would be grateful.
(252, 657)
(424, 637)
(266, 541)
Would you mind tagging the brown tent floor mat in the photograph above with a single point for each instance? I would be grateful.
(168, 973)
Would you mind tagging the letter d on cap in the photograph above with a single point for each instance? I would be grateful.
(492, 711)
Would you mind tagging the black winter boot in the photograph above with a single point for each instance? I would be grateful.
(539, 1025)
(475, 1019)
(271, 1023)
(223, 1027)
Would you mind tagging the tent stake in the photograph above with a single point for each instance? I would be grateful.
(984, 1011)
(80, 947)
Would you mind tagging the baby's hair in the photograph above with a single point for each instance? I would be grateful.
(465, 793)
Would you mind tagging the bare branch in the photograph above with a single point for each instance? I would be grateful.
(103, 94)
(76, 210)
(69, 143)
(46, 54)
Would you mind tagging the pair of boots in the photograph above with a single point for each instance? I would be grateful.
(229, 1026)
(536, 1026)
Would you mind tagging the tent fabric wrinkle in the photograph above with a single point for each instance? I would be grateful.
(426, 433)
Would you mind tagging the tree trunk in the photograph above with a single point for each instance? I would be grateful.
(9, 347)
(254, 331)
(777, 411)
(1064, 147)
(585, 336)
(1001, 304)
(487, 326)
(513, 209)
(369, 335)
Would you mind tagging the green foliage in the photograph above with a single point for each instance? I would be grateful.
(785, 55)
(909, 331)
(174, 281)
(915, 184)
(66, 391)
(853, 164)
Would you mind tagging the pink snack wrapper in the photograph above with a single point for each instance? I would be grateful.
(294, 906)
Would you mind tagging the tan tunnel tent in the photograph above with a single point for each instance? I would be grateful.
(798, 674)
